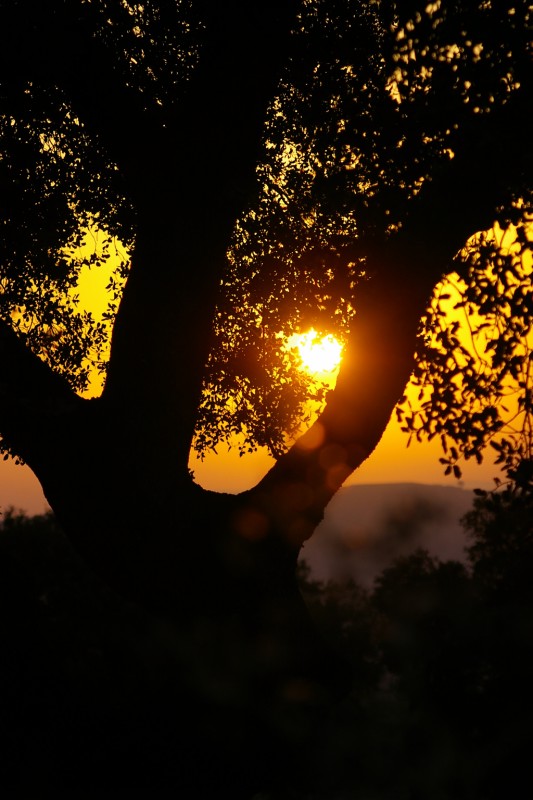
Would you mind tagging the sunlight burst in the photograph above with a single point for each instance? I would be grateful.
(319, 354)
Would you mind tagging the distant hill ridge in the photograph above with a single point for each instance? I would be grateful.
(367, 526)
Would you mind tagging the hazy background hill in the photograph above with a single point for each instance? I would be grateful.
(367, 526)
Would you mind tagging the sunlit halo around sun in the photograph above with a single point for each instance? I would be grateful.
(319, 354)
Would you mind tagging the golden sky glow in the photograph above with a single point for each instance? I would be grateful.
(226, 471)
(92, 282)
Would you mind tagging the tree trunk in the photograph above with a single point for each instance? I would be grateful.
(243, 680)
(219, 570)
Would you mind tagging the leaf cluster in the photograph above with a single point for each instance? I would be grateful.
(373, 103)
(55, 185)
(474, 361)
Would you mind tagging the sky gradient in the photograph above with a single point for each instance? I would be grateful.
(391, 462)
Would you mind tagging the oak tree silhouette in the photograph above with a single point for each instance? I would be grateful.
(268, 166)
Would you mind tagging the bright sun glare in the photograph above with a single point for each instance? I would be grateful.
(319, 354)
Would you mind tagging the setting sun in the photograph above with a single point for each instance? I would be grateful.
(319, 354)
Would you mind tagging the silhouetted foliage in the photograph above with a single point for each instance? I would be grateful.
(364, 117)
(88, 682)
(474, 370)
(265, 166)
(452, 647)
(374, 102)
(345, 617)
(97, 694)
(438, 657)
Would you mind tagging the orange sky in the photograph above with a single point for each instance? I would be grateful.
(391, 462)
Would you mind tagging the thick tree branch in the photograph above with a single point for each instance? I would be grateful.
(460, 200)
(31, 396)
(187, 166)
(375, 369)
(187, 219)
